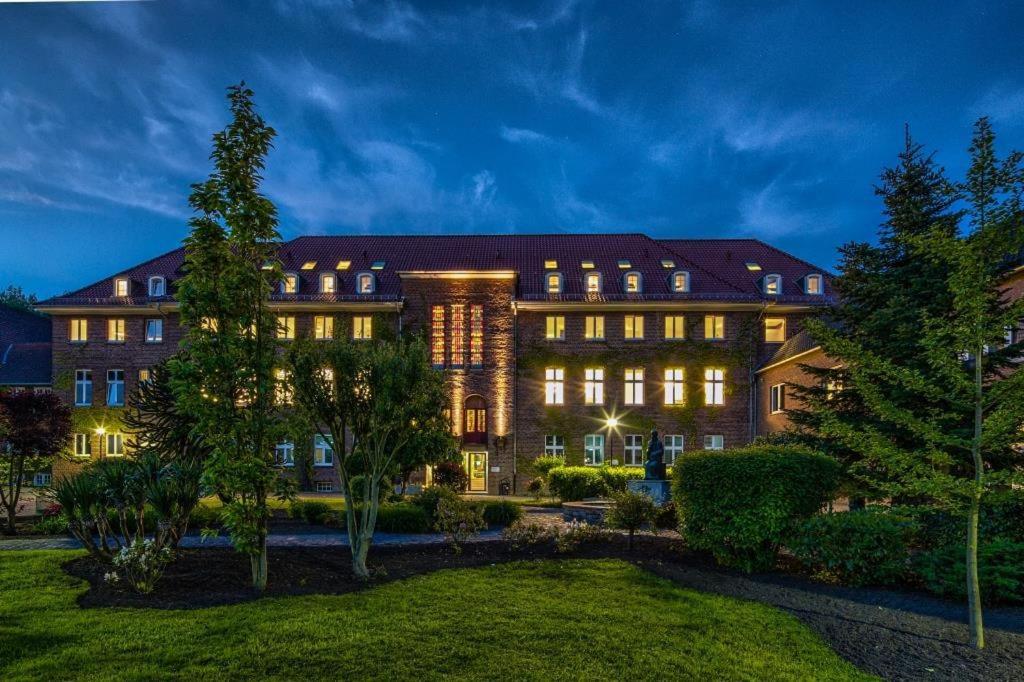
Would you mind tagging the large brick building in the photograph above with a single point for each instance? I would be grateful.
(575, 345)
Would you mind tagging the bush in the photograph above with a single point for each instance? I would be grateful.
(520, 534)
(501, 514)
(576, 483)
(430, 498)
(630, 511)
(52, 524)
(402, 517)
(578, 533)
(451, 475)
(617, 479)
(535, 487)
(357, 487)
(741, 504)
(204, 517)
(458, 520)
(668, 517)
(1002, 518)
(310, 511)
(856, 548)
(1000, 571)
(543, 465)
(142, 564)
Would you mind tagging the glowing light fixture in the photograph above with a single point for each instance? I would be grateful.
(612, 422)
(100, 430)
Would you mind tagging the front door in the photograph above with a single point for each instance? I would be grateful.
(476, 469)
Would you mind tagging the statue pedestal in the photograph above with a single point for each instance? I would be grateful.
(659, 491)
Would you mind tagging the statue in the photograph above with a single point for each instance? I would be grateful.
(654, 468)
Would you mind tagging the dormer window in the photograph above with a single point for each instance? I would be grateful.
(773, 285)
(328, 283)
(121, 286)
(680, 282)
(632, 282)
(290, 283)
(814, 285)
(366, 283)
(157, 286)
(553, 282)
(593, 282)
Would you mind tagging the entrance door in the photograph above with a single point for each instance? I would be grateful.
(476, 469)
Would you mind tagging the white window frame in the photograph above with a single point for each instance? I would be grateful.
(554, 327)
(675, 327)
(114, 438)
(554, 446)
(157, 279)
(371, 283)
(41, 479)
(633, 381)
(362, 327)
(119, 284)
(83, 445)
(633, 450)
(593, 328)
(778, 326)
(328, 283)
(324, 486)
(639, 289)
(674, 284)
(555, 279)
(323, 327)
(777, 399)
(818, 288)
(593, 449)
(593, 283)
(593, 386)
(675, 386)
(159, 336)
(714, 386)
(554, 385)
(674, 445)
(113, 384)
(83, 387)
(323, 451)
(290, 283)
(714, 441)
(773, 284)
(284, 454)
(711, 321)
(633, 327)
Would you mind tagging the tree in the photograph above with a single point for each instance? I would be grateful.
(14, 297)
(630, 511)
(225, 379)
(961, 400)
(372, 401)
(34, 428)
(158, 424)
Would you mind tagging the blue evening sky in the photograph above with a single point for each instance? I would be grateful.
(671, 118)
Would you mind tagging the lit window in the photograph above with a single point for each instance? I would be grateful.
(680, 282)
(773, 285)
(154, 330)
(115, 387)
(290, 283)
(553, 283)
(144, 375)
(778, 398)
(554, 386)
(458, 335)
(79, 331)
(633, 449)
(284, 454)
(326, 375)
(115, 444)
(437, 336)
(120, 287)
(587, 265)
(774, 329)
(593, 449)
(632, 283)
(115, 330)
(328, 283)
(476, 336)
(309, 265)
(323, 452)
(593, 282)
(634, 386)
(208, 324)
(593, 327)
(593, 386)
(624, 265)
(554, 446)
(550, 264)
(555, 327)
(157, 286)
(714, 327)
(365, 283)
(832, 388)
(673, 448)
(714, 386)
(83, 387)
(283, 392)
(323, 327)
(343, 265)
(675, 386)
(83, 445)
(286, 327)
(675, 327)
(634, 328)
(753, 267)
(814, 285)
(324, 486)
(362, 327)
(714, 442)
(668, 263)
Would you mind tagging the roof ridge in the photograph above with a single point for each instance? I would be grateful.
(796, 258)
(71, 294)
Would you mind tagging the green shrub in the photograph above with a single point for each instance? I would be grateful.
(1000, 571)
(357, 486)
(576, 483)
(430, 498)
(501, 513)
(310, 511)
(522, 534)
(667, 517)
(617, 478)
(630, 511)
(543, 465)
(52, 524)
(451, 475)
(402, 517)
(204, 517)
(1001, 518)
(535, 487)
(856, 548)
(458, 520)
(741, 504)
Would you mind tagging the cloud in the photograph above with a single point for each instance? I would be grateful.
(522, 136)
(772, 211)
(386, 21)
(484, 188)
(1002, 103)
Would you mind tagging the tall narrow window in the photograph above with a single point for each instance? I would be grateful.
(553, 283)
(328, 283)
(437, 336)
(680, 282)
(774, 329)
(593, 449)
(634, 377)
(83, 445)
(673, 448)
(714, 327)
(362, 327)
(157, 286)
(476, 336)
(121, 287)
(79, 330)
(773, 284)
(115, 330)
(115, 444)
(675, 386)
(592, 280)
(290, 283)
(554, 446)
(115, 387)
(83, 387)
(633, 449)
(155, 330)
(458, 335)
(593, 327)
(554, 386)
(714, 386)
(323, 327)
(323, 451)
(555, 327)
(365, 283)
(283, 391)
(634, 328)
(778, 398)
(284, 454)
(675, 327)
(286, 327)
(632, 283)
(593, 386)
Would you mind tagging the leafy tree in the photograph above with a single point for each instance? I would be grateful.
(372, 401)
(14, 297)
(34, 428)
(960, 400)
(225, 380)
(157, 422)
(631, 511)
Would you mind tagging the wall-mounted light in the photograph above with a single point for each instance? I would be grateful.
(100, 430)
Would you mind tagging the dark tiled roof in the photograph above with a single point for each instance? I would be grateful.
(25, 364)
(795, 345)
(20, 325)
(716, 267)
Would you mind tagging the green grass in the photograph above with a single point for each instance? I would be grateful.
(571, 619)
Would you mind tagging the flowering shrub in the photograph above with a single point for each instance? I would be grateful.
(458, 520)
(141, 564)
(578, 533)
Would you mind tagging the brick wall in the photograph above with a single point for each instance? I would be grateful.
(789, 374)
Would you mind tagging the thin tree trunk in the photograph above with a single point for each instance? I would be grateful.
(973, 589)
(11, 513)
(258, 563)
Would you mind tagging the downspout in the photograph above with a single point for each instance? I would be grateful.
(752, 375)
(515, 396)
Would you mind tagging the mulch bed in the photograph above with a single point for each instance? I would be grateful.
(895, 635)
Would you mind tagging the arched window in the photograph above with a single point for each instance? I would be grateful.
(773, 285)
(553, 283)
(633, 282)
(814, 285)
(328, 283)
(366, 283)
(475, 420)
(157, 286)
(592, 282)
(680, 282)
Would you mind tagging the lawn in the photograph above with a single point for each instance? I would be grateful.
(573, 619)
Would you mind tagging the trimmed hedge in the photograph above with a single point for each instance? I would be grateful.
(402, 517)
(577, 483)
(501, 513)
(1000, 571)
(741, 504)
(310, 511)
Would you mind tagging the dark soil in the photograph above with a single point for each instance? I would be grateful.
(895, 635)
